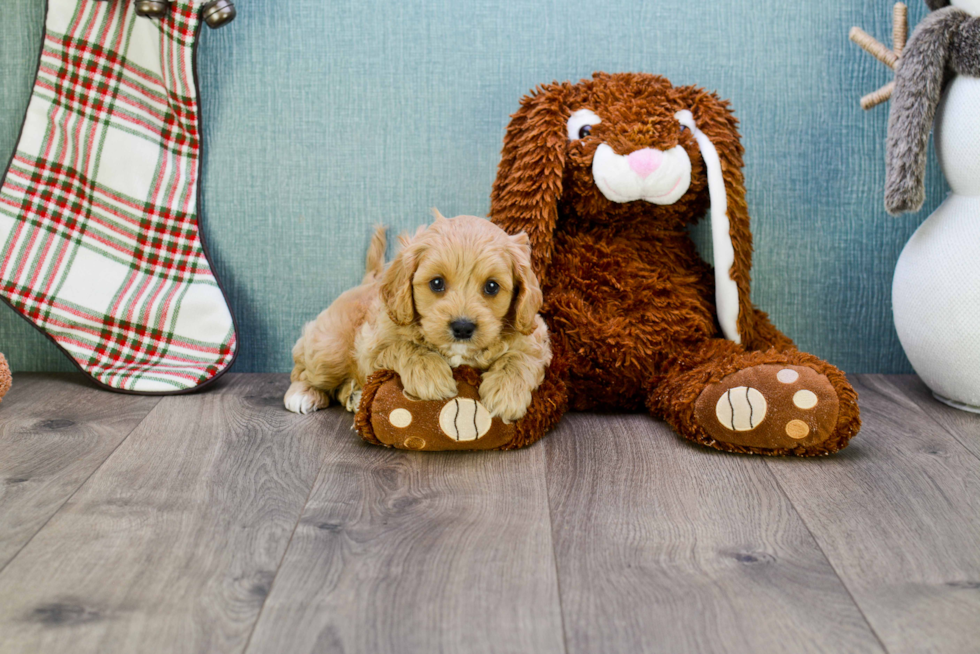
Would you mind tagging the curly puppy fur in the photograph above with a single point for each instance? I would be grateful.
(401, 319)
(629, 302)
(946, 43)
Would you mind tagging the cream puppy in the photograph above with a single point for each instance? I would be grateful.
(460, 292)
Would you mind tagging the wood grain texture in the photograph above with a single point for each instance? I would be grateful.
(55, 431)
(961, 425)
(172, 545)
(612, 535)
(898, 515)
(418, 552)
(664, 546)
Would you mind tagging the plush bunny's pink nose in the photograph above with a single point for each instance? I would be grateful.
(645, 161)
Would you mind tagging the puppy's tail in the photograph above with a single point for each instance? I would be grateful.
(375, 263)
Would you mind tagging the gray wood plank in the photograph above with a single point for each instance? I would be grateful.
(172, 545)
(963, 425)
(55, 431)
(418, 552)
(665, 546)
(898, 515)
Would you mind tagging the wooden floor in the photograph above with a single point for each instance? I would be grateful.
(219, 522)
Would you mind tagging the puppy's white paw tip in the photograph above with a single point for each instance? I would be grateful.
(302, 403)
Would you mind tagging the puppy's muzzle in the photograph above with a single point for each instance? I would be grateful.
(462, 329)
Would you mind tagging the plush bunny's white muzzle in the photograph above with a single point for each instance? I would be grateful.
(647, 174)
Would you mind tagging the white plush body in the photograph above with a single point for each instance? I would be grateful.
(936, 291)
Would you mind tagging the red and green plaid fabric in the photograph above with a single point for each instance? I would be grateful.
(99, 243)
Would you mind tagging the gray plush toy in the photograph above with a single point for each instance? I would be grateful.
(936, 289)
(945, 44)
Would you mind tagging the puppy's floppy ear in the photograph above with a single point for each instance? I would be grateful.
(527, 292)
(529, 180)
(396, 285)
(714, 126)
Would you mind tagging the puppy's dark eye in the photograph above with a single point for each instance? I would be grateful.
(683, 128)
(491, 288)
(438, 285)
(584, 131)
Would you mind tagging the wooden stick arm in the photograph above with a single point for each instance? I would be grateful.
(882, 95)
(900, 28)
(874, 47)
(881, 52)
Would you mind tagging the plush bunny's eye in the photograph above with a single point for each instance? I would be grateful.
(580, 124)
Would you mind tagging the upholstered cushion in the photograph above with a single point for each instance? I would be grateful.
(322, 119)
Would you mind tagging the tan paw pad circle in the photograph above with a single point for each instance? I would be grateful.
(741, 408)
(463, 419)
(414, 443)
(805, 399)
(400, 418)
(797, 429)
(787, 375)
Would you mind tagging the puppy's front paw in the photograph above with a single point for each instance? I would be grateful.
(429, 378)
(303, 398)
(505, 397)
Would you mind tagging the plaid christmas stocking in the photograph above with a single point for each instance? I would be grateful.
(99, 242)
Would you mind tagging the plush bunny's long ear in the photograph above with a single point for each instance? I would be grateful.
(726, 290)
(529, 180)
(716, 132)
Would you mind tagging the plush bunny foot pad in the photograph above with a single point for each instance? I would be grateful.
(390, 417)
(769, 406)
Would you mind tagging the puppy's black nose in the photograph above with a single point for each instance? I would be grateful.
(462, 329)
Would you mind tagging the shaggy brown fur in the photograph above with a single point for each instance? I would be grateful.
(629, 303)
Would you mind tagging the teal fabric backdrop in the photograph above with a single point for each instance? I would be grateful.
(322, 119)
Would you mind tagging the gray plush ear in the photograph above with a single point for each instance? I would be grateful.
(918, 87)
(937, 4)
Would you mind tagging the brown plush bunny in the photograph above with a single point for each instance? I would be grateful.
(605, 176)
